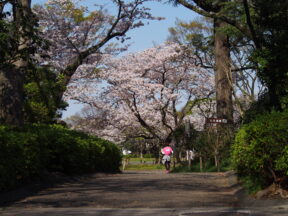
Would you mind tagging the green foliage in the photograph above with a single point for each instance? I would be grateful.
(204, 143)
(251, 184)
(41, 90)
(257, 108)
(11, 32)
(271, 27)
(19, 41)
(7, 42)
(197, 35)
(28, 152)
(259, 153)
(208, 145)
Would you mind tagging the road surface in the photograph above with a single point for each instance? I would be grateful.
(137, 193)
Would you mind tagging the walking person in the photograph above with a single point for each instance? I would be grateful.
(167, 151)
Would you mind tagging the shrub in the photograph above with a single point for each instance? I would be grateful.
(25, 153)
(260, 150)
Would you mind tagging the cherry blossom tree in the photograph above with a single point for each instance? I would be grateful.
(78, 36)
(146, 94)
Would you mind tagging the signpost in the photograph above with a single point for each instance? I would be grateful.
(216, 121)
(212, 124)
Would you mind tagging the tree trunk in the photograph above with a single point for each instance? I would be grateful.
(223, 78)
(217, 161)
(12, 76)
(22, 15)
(201, 163)
(141, 152)
(223, 86)
(11, 96)
(189, 158)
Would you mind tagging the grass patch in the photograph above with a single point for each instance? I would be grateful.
(144, 167)
(143, 160)
(195, 167)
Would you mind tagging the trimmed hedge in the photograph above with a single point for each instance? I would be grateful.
(26, 153)
(260, 151)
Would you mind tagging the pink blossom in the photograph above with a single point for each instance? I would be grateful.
(149, 91)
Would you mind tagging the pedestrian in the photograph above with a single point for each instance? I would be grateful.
(167, 151)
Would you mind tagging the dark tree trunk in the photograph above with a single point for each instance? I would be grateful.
(11, 96)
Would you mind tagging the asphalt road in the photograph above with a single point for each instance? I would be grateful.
(139, 193)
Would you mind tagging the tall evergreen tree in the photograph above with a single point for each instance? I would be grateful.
(264, 22)
(222, 67)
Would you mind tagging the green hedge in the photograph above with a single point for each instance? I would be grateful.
(25, 153)
(261, 149)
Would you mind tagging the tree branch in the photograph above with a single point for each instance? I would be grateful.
(215, 15)
(140, 119)
(250, 25)
(195, 8)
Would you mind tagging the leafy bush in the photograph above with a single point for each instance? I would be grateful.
(25, 153)
(41, 89)
(260, 151)
(261, 106)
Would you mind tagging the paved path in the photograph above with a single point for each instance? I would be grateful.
(137, 193)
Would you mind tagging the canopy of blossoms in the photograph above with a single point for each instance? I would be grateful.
(147, 93)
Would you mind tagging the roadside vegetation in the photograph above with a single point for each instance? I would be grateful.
(30, 152)
(260, 152)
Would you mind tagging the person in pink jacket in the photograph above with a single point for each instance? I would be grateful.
(167, 151)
